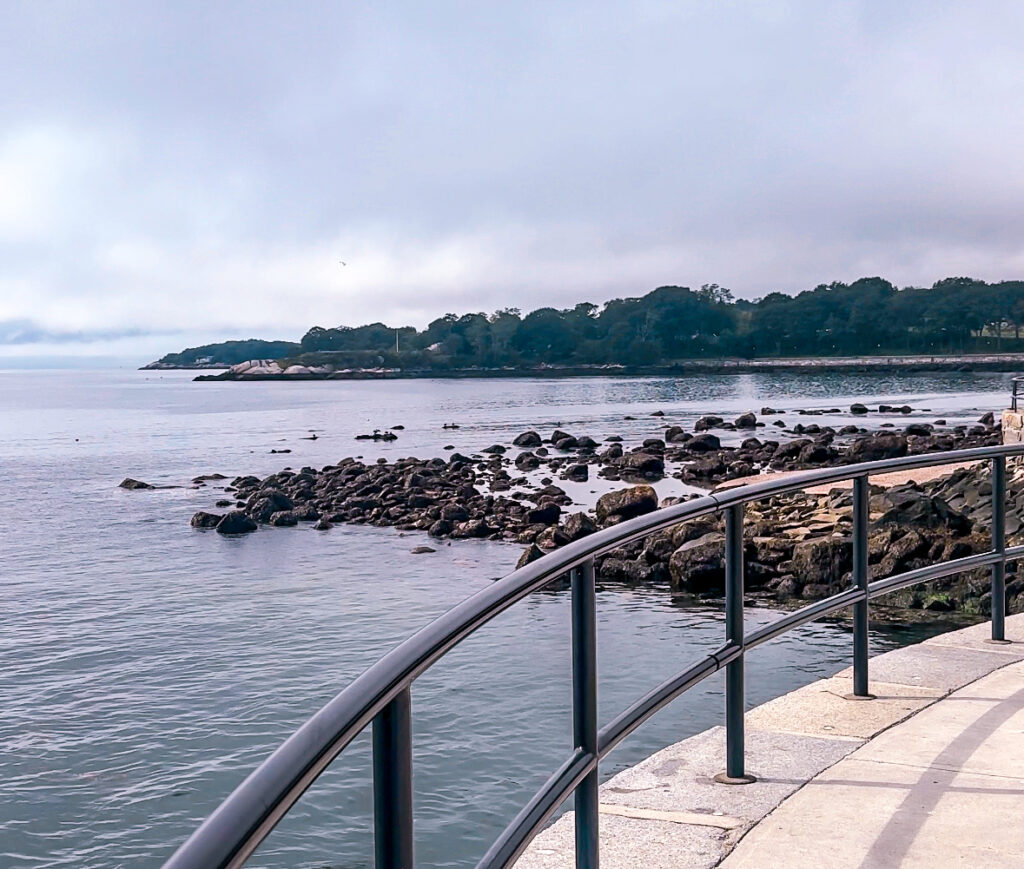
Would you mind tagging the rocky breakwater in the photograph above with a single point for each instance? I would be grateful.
(798, 547)
(443, 498)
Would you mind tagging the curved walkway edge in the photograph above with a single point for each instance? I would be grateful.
(930, 773)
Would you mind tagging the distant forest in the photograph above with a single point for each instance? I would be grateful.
(868, 317)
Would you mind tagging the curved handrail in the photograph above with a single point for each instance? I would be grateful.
(236, 828)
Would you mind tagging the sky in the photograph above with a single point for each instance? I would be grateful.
(182, 172)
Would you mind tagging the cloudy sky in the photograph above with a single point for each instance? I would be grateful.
(178, 172)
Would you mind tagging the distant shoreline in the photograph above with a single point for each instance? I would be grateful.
(1010, 362)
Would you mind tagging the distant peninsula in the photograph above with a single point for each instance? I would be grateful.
(870, 322)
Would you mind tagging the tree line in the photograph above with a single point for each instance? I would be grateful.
(867, 317)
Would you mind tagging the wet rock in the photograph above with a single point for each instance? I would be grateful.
(703, 443)
(323, 525)
(284, 519)
(205, 520)
(746, 420)
(577, 473)
(822, 561)
(527, 462)
(530, 554)
(422, 550)
(877, 447)
(676, 434)
(858, 408)
(586, 443)
(643, 463)
(922, 429)
(707, 422)
(265, 503)
(577, 526)
(236, 522)
(546, 514)
(129, 483)
(698, 566)
(988, 419)
(494, 449)
(627, 503)
(527, 439)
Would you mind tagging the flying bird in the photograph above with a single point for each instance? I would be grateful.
(343, 263)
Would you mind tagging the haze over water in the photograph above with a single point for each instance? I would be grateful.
(146, 668)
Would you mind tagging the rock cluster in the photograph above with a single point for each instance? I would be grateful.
(437, 496)
(799, 546)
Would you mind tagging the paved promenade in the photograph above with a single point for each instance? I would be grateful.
(929, 774)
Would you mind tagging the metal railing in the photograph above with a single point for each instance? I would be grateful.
(1015, 389)
(381, 696)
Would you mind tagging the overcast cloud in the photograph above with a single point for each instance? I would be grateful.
(195, 171)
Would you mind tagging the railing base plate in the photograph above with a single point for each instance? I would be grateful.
(1000, 642)
(726, 779)
(859, 697)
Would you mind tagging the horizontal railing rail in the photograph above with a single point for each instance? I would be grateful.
(381, 696)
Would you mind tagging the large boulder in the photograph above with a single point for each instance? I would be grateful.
(706, 422)
(266, 502)
(236, 522)
(746, 420)
(822, 560)
(698, 566)
(884, 445)
(627, 503)
(527, 439)
(643, 463)
(703, 443)
(202, 519)
(578, 525)
(129, 483)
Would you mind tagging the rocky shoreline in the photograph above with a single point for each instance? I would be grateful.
(259, 370)
(798, 546)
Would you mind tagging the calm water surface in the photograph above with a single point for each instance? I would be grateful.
(146, 668)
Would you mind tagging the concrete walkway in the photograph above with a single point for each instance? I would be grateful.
(931, 773)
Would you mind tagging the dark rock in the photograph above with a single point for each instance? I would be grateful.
(577, 473)
(495, 449)
(698, 566)
(527, 461)
(746, 420)
(707, 422)
(129, 483)
(676, 434)
(823, 560)
(284, 519)
(877, 447)
(858, 408)
(441, 528)
(421, 550)
(643, 463)
(530, 554)
(922, 429)
(527, 439)
(236, 522)
(627, 503)
(578, 525)
(988, 419)
(205, 520)
(323, 525)
(546, 514)
(703, 443)
(266, 502)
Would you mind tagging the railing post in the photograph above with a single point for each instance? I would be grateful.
(734, 689)
(999, 546)
(584, 709)
(392, 784)
(860, 581)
